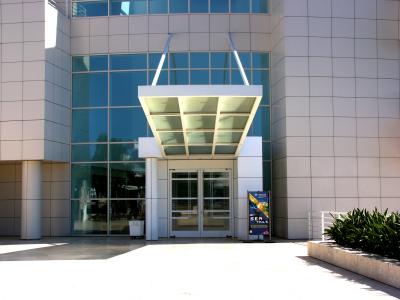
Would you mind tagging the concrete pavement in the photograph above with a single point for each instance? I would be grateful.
(118, 268)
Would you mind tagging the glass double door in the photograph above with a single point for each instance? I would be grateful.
(200, 203)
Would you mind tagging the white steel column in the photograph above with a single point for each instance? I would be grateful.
(151, 199)
(31, 206)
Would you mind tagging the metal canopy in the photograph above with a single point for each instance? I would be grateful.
(200, 121)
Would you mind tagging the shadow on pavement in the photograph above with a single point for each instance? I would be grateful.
(370, 284)
(75, 248)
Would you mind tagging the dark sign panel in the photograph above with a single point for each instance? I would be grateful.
(259, 213)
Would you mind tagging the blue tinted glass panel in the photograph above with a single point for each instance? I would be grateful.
(179, 77)
(98, 63)
(89, 152)
(199, 77)
(220, 60)
(89, 89)
(162, 79)
(132, 7)
(178, 60)
(199, 6)
(261, 124)
(158, 6)
(128, 62)
(237, 77)
(219, 6)
(266, 150)
(244, 59)
(260, 6)
(199, 60)
(127, 124)
(178, 6)
(80, 63)
(127, 180)
(90, 8)
(260, 60)
(124, 87)
(154, 60)
(240, 6)
(89, 181)
(124, 152)
(266, 176)
(89, 125)
(220, 77)
(262, 77)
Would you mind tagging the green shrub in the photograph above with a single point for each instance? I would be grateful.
(372, 232)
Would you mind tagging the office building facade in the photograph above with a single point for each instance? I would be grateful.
(169, 111)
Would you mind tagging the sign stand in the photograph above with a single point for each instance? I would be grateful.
(259, 209)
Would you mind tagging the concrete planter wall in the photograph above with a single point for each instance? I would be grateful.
(373, 266)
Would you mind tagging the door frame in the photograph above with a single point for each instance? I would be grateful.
(200, 198)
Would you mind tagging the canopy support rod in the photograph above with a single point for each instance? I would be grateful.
(161, 63)
(237, 58)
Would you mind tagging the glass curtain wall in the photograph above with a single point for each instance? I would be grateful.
(107, 177)
(90, 8)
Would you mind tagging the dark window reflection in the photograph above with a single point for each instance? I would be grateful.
(89, 89)
(124, 87)
(89, 181)
(89, 125)
(127, 180)
(123, 211)
(89, 152)
(124, 152)
(90, 8)
(127, 124)
(89, 216)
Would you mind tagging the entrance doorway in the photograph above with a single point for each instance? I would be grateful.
(200, 203)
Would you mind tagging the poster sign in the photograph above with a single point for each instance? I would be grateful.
(259, 213)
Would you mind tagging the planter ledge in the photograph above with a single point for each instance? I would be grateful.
(379, 268)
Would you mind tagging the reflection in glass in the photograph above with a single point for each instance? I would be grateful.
(128, 7)
(89, 125)
(127, 180)
(178, 60)
(124, 152)
(162, 79)
(199, 60)
(240, 6)
(89, 216)
(219, 6)
(220, 60)
(178, 6)
(128, 62)
(237, 77)
(127, 124)
(124, 87)
(184, 188)
(184, 222)
(179, 77)
(199, 77)
(89, 89)
(90, 8)
(90, 179)
(216, 188)
(89, 152)
(260, 6)
(199, 6)
(261, 124)
(266, 175)
(211, 223)
(158, 6)
(90, 63)
(260, 60)
(220, 76)
(123, 211)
